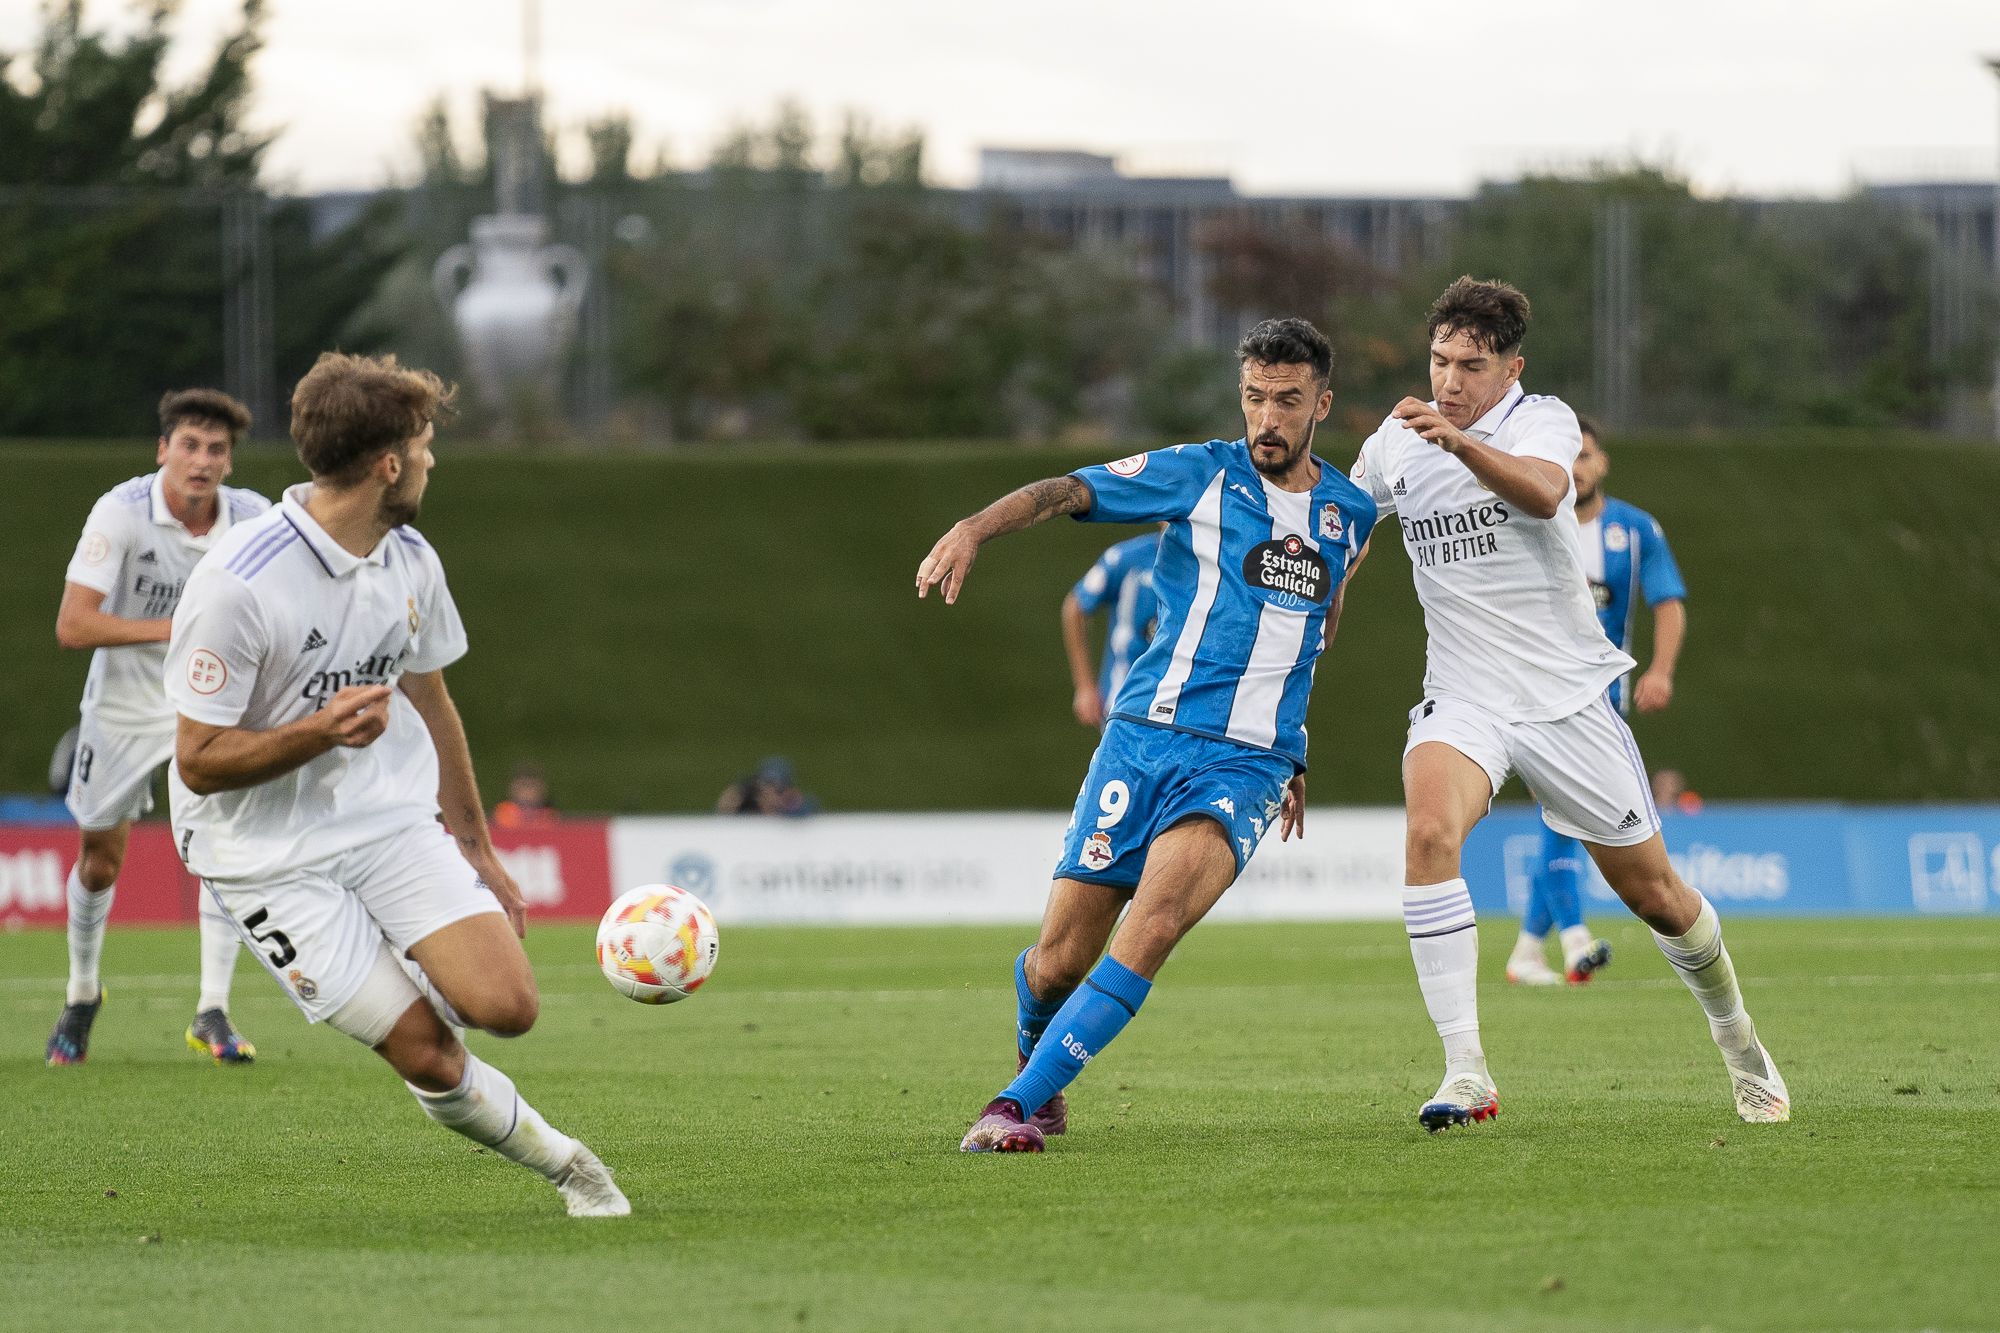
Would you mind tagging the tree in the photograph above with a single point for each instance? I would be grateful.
(115, 189)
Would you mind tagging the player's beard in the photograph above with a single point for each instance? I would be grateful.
(401, 505)
(1292, 454)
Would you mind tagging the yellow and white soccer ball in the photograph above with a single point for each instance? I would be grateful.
(657, 944)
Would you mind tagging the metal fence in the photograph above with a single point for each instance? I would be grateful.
(1878, 309)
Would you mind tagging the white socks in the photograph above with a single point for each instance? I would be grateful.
(87, 914)
(485, 1108)
(219, 946)
(1445, 945)
(1528, 951)
(1704, 965)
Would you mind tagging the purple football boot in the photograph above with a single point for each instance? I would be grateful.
(1000, 1128)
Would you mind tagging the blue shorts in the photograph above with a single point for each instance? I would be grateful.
(1143, 780)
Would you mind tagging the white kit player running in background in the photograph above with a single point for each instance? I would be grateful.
(142, 540)
(316, 745)
(1480, 480)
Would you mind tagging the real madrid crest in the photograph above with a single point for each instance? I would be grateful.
(415, 619)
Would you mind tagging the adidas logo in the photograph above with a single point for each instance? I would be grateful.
(1399, 488)
(148, 558)
(317, 640)
(1630, 821)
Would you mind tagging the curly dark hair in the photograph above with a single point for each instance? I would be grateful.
(1495, 313)
(1288, 342)
(210, 407)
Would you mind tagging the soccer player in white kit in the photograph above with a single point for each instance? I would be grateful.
(140, 543)
(1480, 480)
(318, 749)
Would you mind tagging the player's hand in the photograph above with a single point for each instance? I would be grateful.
(1293, 816)
(949, 562)
(356, 716)
(494, 875)
(1654, 692)
(1428, 422)
(1088, 705)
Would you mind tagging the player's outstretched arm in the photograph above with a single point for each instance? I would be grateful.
(81, 622)
(458, 789)
(213, 759)
(951, 559)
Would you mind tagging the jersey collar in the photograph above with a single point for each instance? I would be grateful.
(1489, 425)
(165, 516)
(334, 558)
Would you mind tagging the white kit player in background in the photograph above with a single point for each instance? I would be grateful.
(318, 749)
(1480, 479)
(142, 540)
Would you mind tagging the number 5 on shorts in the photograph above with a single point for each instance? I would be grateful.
(284, 953)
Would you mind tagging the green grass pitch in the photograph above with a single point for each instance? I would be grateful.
(1246, 1156)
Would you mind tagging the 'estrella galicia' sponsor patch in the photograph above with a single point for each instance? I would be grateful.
(1288, 566)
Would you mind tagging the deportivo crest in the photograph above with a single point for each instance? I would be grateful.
(1330, 526)
(1615, 538)
(1097, 851)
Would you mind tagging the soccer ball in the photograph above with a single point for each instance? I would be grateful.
(657, 944)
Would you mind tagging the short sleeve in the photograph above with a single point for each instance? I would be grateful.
(1659, 577)
(1156, 487)
(1547, 429)
(1370, 473)
(219, 646)
(1096, 585)
(100, 552)
(440, 636)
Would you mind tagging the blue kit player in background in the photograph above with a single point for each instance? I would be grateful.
(1121, 583)
(1626, 557)
(1206, 747)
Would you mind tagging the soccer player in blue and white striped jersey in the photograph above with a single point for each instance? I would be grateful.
(1119, 583)
(1206, 747)
(1627, 560)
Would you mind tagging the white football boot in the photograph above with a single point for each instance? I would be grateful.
(588, 1189)
(1761, 1096)
(1464, 1098)
(1532, 972)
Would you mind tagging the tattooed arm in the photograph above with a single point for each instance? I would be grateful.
(951, 559)
(458, 789)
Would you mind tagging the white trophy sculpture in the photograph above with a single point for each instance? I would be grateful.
(511, 294)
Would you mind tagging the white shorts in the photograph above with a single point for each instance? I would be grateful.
(111, 778)
(1584, 769)
(319, 929)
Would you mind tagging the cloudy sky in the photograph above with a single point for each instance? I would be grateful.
(1340, 96)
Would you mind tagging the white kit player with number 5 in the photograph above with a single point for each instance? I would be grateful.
(323, 788)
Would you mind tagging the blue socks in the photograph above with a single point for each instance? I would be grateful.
(1031, 1015)
(1562, 883)
(1108, 999)
(1556, 898)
